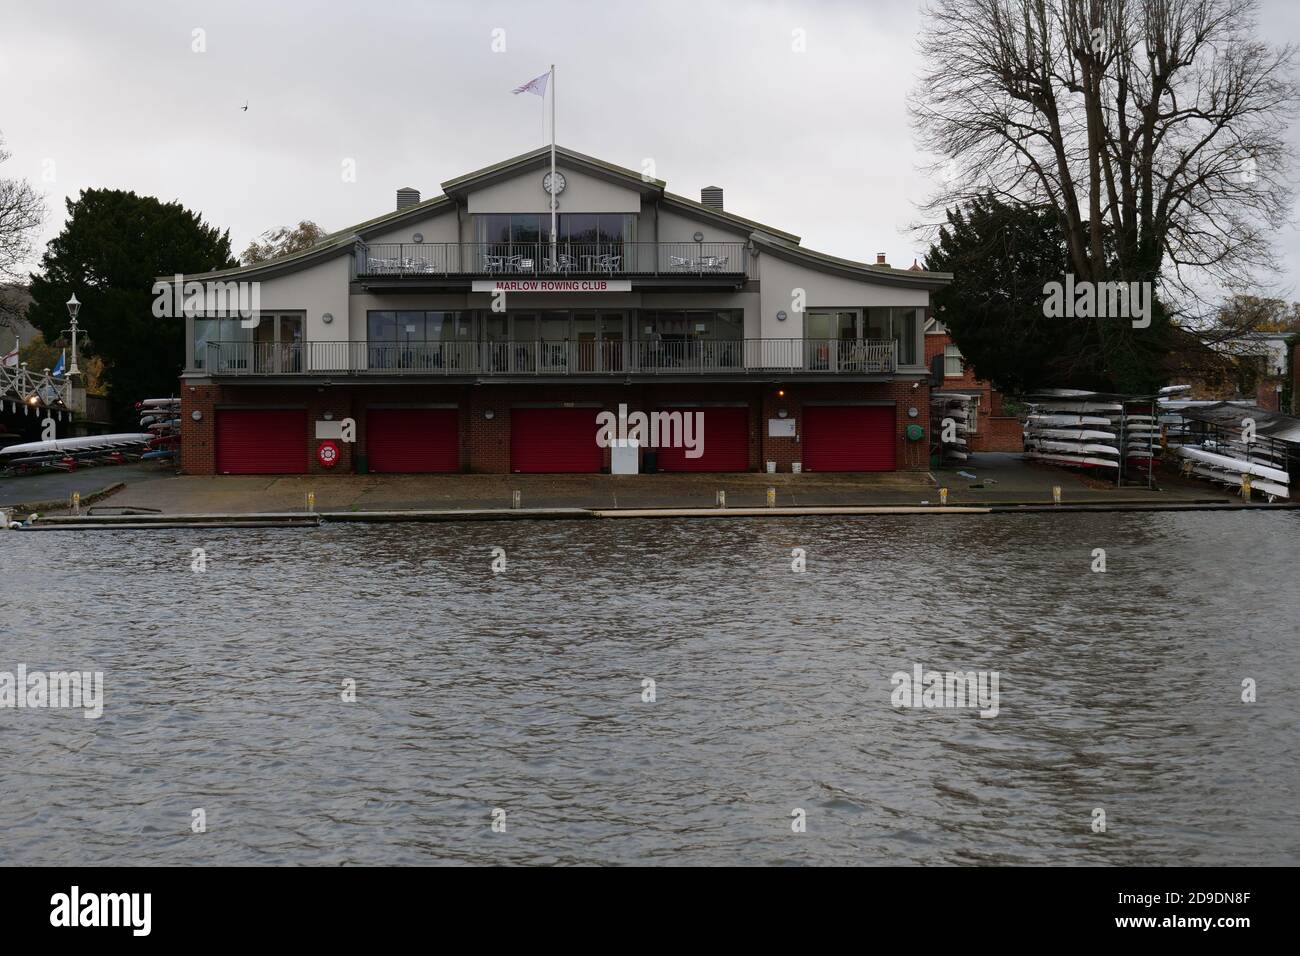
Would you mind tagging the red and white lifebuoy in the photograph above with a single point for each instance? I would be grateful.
(328, 453)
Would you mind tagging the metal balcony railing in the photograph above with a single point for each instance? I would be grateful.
(542, 260)
(608, 357)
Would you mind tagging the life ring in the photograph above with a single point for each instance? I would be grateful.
(328, 453)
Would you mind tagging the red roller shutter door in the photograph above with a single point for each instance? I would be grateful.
(261, 441)
(726, 442)
(413, 440)
(554, 440)
(848, 438)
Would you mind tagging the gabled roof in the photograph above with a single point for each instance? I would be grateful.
(541, 158)
(779, 243)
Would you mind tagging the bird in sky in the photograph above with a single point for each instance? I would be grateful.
(245, 106)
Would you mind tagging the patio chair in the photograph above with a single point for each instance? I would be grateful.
(610, 264)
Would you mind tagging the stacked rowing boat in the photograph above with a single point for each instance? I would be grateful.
(162, 418)
(1139, 427)
(66, 454)
(950, 415)
(1226, 460)
(1074, 428)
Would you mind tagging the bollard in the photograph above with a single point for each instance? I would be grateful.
(1245, 486)
(722, 499)
(771, 497)
(311, 501)
(943, 496)
(1056, 494)
(516, 500)
(76, 502)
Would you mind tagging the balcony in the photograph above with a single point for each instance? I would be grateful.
(492, 260)
(596, 359)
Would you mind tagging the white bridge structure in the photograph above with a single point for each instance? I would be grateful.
(41, 392)
(35, 391)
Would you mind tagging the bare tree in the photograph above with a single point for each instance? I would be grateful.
(22, 210)
(1154, 128)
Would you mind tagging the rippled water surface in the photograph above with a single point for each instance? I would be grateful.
(523, 691)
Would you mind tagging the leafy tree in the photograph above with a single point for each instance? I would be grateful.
(112, 247)
(283, 241)
(1252, 313)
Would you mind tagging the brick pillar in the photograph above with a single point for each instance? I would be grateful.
(338, 403)
(198, 441)
(783, 451)
(486, 442)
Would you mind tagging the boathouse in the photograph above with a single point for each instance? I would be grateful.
(463, 333)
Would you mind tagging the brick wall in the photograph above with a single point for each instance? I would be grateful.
(998, 433)
(485, 442)
(1267, 396)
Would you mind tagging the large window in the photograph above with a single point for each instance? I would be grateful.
(904, 323)
(501, 228)
(221, 343)
(405, 339)
(571, 228)
(688, 338)
(893, 323)
(681, 325)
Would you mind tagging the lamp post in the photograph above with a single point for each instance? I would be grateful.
(73, 308)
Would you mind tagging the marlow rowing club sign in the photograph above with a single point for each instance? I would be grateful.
(552, 285)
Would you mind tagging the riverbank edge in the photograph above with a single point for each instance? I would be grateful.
(305, 519)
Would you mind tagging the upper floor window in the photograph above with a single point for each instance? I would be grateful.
(217, 332)
(885, 323)
(571, 228)
(408, 328)
(686, 326)
(952, 361)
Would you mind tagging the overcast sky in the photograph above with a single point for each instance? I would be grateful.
(817, 143)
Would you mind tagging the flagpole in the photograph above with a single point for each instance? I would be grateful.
(554, 257)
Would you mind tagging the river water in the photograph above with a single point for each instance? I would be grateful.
(522, 692)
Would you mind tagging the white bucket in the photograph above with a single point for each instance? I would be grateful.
(796, 467)
(771, 468)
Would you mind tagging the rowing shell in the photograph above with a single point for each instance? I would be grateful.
(1235, 465)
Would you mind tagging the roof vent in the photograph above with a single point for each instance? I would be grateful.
(406, 196)
(711, 196)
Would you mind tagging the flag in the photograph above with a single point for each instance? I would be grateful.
(537, 85)
(59, 365)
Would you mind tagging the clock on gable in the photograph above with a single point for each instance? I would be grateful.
(553, 187)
